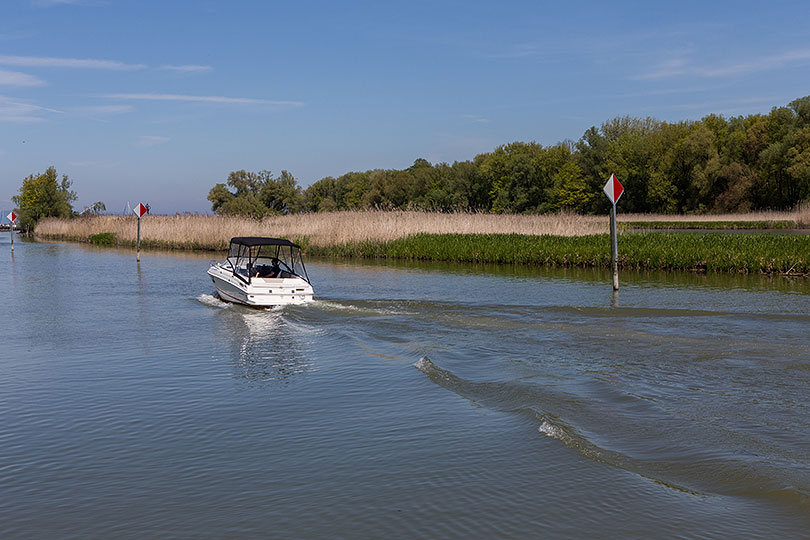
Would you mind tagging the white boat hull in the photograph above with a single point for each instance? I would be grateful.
(260, 291)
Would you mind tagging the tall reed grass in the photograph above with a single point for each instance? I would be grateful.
(318, 229)
(800, 215)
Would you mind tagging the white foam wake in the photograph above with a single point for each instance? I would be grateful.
(212, 301)
(550, 430)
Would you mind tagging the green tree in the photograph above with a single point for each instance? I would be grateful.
(256, 194)
(281, 195)
(44, 195)
(321, 196)
(570, 191)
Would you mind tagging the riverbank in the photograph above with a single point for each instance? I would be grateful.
(707, 252)
(555, 240)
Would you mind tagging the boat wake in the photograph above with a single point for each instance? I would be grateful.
(213, 301)
(700, 471)
(360, 308)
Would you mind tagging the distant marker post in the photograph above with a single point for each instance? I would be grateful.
(139, 210)
(12, 217)
(613, 189)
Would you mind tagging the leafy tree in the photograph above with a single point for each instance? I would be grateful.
(44, 195)
(281, 195)
(256, 194)
(570, 191)
(321, 196)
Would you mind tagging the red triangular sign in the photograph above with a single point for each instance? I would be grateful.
(12, 217)
(140, 210)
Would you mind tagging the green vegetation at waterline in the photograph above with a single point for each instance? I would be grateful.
(104, 239)
(712, 252)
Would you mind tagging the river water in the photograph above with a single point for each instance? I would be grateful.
(407, 401)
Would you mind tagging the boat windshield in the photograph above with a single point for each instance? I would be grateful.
(266, 257)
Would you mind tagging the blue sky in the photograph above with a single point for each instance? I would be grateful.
(156, 101)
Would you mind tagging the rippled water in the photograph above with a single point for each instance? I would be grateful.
(408, 401)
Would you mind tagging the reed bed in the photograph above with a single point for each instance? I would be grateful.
(557, 240)
(317, 229)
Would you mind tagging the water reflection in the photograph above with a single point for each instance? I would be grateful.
(266, 347)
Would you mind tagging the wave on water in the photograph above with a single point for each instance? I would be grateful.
(687, 472)
(550, 430)
(212, 301)
(357, 308)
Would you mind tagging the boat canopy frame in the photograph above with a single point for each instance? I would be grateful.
(246, 251)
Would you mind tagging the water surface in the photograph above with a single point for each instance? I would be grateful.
(408, 401)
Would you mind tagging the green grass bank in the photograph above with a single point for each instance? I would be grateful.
(704, 252)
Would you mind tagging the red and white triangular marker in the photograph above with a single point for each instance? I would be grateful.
(12, 217)
(139, 210)
(613, 189)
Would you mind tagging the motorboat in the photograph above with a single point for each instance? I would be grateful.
(262, 272)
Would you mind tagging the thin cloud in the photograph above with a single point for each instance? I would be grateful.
(103, 109)
(15, 78)
(189, 68)
(203, 99)
(680, 67)
(71, 63)
(476, 119)
(145, 141)
(12, 110)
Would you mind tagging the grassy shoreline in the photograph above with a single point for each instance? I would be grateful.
(705, 252)
(559, 240)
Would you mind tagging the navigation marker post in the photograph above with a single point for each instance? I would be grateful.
(12, 217)
(613, 189)
(139, 210)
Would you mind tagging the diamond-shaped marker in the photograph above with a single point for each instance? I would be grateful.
(613, 189)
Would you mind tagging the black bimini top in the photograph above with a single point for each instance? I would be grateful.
(251, 241)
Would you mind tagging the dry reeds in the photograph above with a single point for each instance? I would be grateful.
(801, 215)
(321, 229)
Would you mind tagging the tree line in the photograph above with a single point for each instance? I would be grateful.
(712, 165)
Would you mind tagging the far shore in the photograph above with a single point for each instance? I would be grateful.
(330, 229)
(553, 240)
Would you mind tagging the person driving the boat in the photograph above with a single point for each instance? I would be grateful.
(265, 271)
(275, 270)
